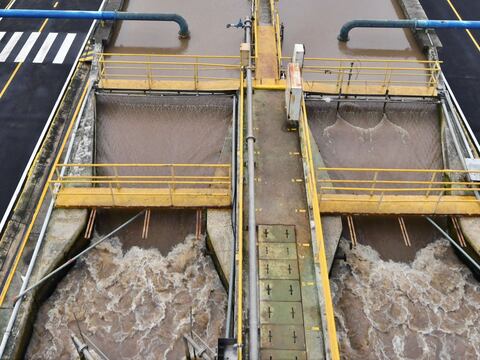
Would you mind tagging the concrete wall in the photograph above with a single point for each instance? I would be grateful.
(412, 9)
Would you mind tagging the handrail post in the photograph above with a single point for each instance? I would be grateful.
(149, 72)
(195, 73)
(386, 75)
(438, 201)
(111, 192)
(434, 174)
(374, 183)
(381, 200)
(389, 78)
(341, 75)
(115, 171)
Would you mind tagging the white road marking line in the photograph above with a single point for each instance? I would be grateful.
(10, 45)
(47, 44)
(22, 55)
(62, 53)
(2, 34)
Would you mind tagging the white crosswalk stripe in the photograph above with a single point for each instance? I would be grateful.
(10, 45)
(22, 55)
(62, 53)
(47, 44)
(51, 47)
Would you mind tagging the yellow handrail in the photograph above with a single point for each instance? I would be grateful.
(398, 170)
(321, 257)
(336, 74)
(145, 165)
(183, 69)
(309, 59)
(171, 56)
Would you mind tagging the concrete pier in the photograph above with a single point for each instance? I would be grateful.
(286, 260)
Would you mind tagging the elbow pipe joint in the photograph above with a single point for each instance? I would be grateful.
(412, 24)
(97, 15)
(183, 33)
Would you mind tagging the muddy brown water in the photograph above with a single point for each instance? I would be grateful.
(206, 19)
(133, 302)
(405, 136)
(133, 296)
(316, 24)
(427, 308)
(162, 130)
(391, 300)
(167, 228)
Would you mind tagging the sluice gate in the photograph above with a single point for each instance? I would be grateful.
(301, 191)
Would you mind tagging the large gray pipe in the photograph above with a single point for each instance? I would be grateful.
(411, 24)
(96, 15)
(253, 318)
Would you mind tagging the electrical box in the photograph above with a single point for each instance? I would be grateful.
(298, 54)
(244, 54)
(293, 92)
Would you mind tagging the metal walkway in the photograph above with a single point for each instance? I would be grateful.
(291, 313)
(398, 191)
(169, 72)
(162, 185)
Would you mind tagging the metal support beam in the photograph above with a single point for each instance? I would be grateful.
(454, 243)
(412, 24)
(97, 15)
(69, 262)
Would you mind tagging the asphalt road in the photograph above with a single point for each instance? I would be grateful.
(30, 85)
(460, 55)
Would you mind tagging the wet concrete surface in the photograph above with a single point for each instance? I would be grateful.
(278, 197)
(206, 20)
(316, 24)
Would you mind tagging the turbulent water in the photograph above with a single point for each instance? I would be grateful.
(426, 309)
(134, 304)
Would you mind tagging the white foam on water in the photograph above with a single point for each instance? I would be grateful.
(134, 305)
(428, 309)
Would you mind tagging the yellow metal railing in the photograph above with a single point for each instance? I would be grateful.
(368, 75)
(276, 24)
(320, 257)
(155, 69)
(142, 185)
(429, 185)
(175, 177)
